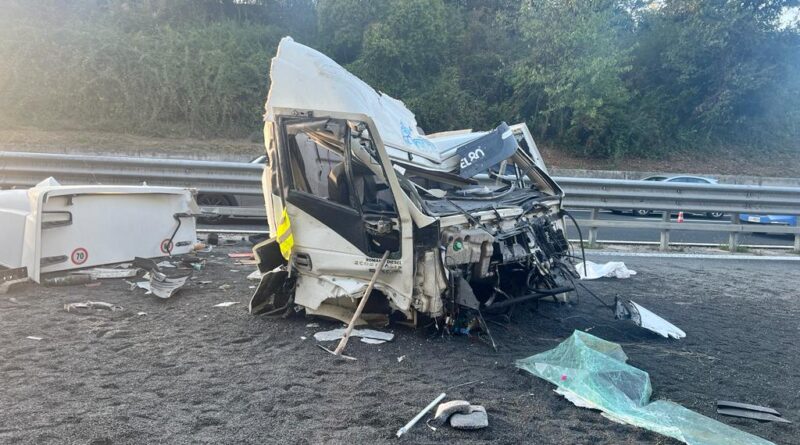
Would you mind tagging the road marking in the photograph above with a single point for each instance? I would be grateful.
(694, 256)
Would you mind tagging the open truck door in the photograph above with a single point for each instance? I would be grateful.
(334, 192)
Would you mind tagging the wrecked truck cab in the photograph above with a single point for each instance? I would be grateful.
(471, 220)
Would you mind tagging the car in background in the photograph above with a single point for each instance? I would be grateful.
(205, 199)
(681, 179)
(781, 220)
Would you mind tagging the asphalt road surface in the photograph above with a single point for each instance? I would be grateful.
(604, 234)
(183, 371)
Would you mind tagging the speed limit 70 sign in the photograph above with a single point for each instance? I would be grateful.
(79, 256)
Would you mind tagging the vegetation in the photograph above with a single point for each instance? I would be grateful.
(605, 78)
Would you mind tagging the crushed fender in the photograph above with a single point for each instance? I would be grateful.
(591, 373)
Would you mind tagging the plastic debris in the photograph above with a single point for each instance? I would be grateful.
(336, 334)
(612, 269)
(141, 314)
(372, 341)
(162, 286)
(226, 304)
(597, 377)
(165, 264)
(255, 275)
(76, 307)
(641, 316)
(401, 358)
(31, 337)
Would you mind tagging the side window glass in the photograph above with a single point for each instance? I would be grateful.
(314, 161)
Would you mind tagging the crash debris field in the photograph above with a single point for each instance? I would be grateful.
(182, 370)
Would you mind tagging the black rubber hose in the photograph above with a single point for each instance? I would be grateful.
(580, 235)
(537, 293)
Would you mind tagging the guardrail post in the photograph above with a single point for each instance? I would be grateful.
(593, 230)
(665, 232)
(733, 237)
(797, 244)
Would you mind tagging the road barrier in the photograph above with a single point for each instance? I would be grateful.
(18, 169)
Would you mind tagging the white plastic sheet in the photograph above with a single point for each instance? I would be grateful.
(611, 269)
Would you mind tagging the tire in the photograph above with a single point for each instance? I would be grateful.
(214, 200)
(715, 215)
(640, 212)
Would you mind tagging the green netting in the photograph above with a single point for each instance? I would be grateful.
(592, 373)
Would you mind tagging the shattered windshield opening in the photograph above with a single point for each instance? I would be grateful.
(502, 185)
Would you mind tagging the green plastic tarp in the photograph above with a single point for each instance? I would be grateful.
(592, 373)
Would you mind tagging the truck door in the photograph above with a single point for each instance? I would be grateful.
(342, 209)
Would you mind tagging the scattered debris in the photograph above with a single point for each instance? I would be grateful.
(226, 304)
(163, 286)
(475, 419)
(141, 314)
(312, 325)
(225, 286)
(30, 337)
(592, 373)
(337, 334)
(255, 275)
(303, 337)
(212, 239)
(165, 264)
(102, 273)
(461, 414)
(612, 269)
(67, 280)
(639, 315)
(401, 358)
(71, 307)
(10, 277)
(446, 409)
(243, 255)
(204, 282)
(748, 411)
(419, 415)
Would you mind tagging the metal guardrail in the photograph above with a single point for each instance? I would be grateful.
(234, 178)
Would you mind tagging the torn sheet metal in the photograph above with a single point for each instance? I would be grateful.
(336, 334)
(52, 228)
(749, 411)
(641, 316)
(591, 372)
(611, 269)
